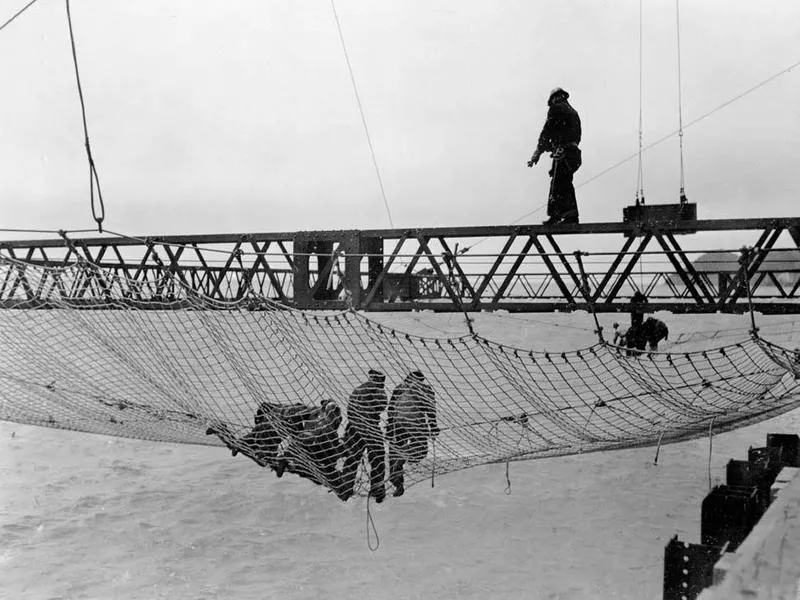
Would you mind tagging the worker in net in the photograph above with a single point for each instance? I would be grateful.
(274, 423)
(313, 452)
(363, 433)
(411, 422)
(560, 136)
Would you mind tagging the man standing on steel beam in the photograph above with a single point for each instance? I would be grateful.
(560, 136)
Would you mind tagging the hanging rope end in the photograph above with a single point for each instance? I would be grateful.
(372, 530)
(508, 478)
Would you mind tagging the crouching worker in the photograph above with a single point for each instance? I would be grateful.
(638, 337)
(314, 452)
(629, 338)
(642, 332)
(652, 332)
(411, 423)
(363, 433)
(273, 423)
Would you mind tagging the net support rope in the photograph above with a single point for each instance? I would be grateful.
(98, 213)
(349, 403)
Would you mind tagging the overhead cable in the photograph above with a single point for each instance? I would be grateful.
(18, 13)
(97, 215)
(361, 112)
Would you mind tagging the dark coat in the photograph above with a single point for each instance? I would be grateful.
(562, 128)
(312, 453)
(653, 331)
(412, 417)
(648, 334)
(368, 400)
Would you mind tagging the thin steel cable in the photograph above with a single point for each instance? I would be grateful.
(695, 121)
(680, 96)
(361, 112)
(510, 255)
(93, 177)
(639, 174)
(17, 14)
(53, 231)
(144, 241)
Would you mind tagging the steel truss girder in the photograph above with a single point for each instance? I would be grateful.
(527, 271)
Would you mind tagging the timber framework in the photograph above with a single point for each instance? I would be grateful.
(528, 268)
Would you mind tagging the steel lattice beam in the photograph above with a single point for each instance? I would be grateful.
(523, 269)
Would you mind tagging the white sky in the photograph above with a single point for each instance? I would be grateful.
(239, 116)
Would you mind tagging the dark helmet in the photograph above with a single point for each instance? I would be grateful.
(556, 94)
(376, 376)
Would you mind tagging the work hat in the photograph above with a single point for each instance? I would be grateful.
(376, 376)
(557, 93)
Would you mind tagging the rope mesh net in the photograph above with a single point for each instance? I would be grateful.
(351, 404)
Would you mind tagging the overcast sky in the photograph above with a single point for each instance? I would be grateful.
(239, 116)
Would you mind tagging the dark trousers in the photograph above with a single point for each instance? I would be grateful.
(357, 438)
(396, 462)
(562, 192)
(411, 446)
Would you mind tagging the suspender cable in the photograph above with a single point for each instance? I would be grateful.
(16, 14)
(702, 117)
(93, 178)
(639, 176)
(680, 108)
(361, 112)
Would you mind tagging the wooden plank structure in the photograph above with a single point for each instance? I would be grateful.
(767, 564)
(526, 268)
(750, 531)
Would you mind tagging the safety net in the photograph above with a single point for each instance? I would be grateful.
(346, 402)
